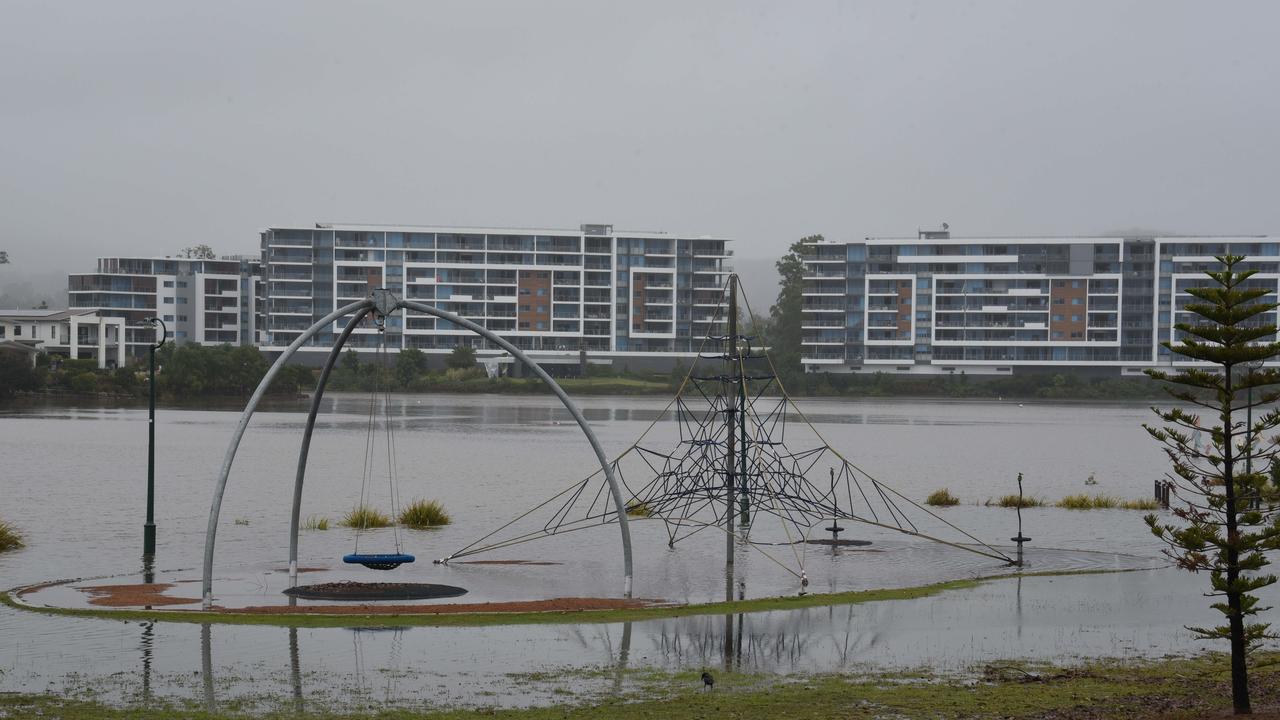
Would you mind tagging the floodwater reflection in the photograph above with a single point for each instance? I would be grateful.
(488, 459)
(1063, 619)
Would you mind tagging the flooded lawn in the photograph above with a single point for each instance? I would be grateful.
(76, 486)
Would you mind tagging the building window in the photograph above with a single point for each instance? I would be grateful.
(542, 308)
(524, 308)
(182, 283)
(168, 318)
(542, 292)
(182, 318)
(17, 330)
(540, 325)
(1057, 318)
(1077, 301)
(168, 283)
(168, 301)
(1, 331)
(1075, 318)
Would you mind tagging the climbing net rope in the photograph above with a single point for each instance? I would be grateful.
(731, 404)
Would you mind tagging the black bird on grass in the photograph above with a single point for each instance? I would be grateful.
(708, 682)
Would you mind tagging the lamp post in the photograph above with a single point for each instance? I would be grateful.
(149, 530)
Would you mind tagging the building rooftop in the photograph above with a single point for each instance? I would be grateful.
(47, 315)
(600, 230)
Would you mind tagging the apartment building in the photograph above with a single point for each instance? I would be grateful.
(205, 301)
(987, 305)
(549, 292)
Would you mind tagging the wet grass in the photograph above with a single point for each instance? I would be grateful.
(364, 517)
(1013, 501)
(639, 509)
(1172, 688)
(1085, 501)
(315, 522)
(478, 619)
(942, 498)
(10, 537)
(424, 514)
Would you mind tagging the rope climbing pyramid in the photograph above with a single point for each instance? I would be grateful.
(746, 456)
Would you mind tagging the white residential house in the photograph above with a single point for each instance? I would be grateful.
(80, 334)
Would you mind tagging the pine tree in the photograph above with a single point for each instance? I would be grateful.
(1227, 499)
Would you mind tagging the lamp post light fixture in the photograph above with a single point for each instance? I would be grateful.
(149, 530)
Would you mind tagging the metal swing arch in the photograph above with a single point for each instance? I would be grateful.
(385, 302)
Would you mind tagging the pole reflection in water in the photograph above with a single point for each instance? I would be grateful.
(727, 655)
(295, 670)
(148, 570)
(624, 654)
(148, 639)
(206, 664)
(1018, 595)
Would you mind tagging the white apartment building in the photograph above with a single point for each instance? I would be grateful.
(617, 294)
(941, 304)
(209, 302)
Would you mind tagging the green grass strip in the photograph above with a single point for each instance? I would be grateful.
(1177, 688)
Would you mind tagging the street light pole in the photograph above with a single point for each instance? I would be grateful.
(149, 530)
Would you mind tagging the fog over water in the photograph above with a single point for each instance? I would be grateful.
(148, 126)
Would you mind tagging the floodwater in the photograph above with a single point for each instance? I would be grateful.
(74, 481)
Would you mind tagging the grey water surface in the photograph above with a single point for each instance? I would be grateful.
(74, 481)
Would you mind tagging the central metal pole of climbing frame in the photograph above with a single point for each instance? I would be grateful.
(730, 408)
(744, 498)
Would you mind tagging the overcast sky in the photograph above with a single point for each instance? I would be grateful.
(145, 127)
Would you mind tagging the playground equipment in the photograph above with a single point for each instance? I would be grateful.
(382, 303)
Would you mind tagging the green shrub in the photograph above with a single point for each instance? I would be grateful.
(315, 522)
(1148, 504)
(424, 513)
(942, 498)
(363, 516)
(10, 538)
(84, 383)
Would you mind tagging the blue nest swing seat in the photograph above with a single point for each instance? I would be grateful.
(378, 561)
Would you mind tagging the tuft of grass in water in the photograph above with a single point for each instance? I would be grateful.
(1104, 502)
(315, 522)
(424, 513)
(1087, 502)
(10, 538)
(363, 516)
(942, 498)
(242, 521)
(1013, 501)
(637, 508)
